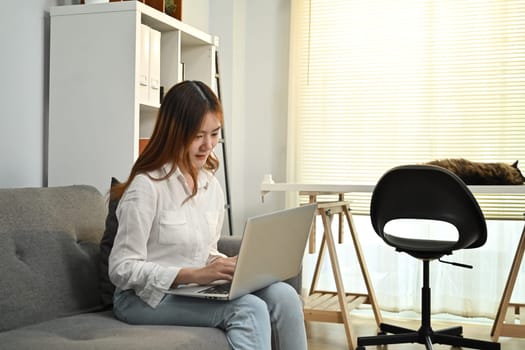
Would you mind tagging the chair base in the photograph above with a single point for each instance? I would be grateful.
(425, 335)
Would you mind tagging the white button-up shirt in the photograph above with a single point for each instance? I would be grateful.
(159, 233)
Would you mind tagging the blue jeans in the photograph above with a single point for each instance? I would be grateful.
(269, 318)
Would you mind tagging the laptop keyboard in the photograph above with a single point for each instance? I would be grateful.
(219, 289)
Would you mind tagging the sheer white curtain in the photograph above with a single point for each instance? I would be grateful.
(378, 83)
(397, 278)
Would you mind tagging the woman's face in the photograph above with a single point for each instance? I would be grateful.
(205, 141)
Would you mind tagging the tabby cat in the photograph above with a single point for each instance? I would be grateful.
(476, 173)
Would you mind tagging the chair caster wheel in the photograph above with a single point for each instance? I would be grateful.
(360, 348)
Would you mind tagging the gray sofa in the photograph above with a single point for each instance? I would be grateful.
(50, 289)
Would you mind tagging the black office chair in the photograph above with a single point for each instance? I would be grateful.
(426, 192)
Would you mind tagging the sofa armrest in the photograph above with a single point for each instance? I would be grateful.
(230, 245)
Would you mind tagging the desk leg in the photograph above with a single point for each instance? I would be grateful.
(364, 270)
(499, 328)
(335, 306)
(341, 221)
(311, 241)
(341, 296)
(318, 263)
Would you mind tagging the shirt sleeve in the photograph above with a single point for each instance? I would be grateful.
(128, 268)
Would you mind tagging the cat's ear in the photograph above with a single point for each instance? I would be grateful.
(515, 164)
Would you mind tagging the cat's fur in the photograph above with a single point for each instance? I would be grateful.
(477, 173)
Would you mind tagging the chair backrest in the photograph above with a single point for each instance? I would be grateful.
(432, 193)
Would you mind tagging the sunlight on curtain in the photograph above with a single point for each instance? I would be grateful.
(375, 84)
(397, 278)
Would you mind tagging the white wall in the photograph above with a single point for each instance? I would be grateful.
(254, 44)
(196, 13)
(228, 23)
(254, 71)
(24, 38)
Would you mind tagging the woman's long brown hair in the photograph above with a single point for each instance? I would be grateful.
(179, 120)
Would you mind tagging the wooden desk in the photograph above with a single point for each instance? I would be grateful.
(500, 327)
(329, 306)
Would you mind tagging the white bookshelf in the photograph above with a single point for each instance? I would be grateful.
(95, 114)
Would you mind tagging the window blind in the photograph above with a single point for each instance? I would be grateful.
(379, 83)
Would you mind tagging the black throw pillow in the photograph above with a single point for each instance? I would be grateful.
(106, 243)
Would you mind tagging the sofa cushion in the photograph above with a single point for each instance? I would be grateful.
(102, 331)
(49, 262)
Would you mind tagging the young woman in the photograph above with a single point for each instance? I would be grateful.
(170, 216)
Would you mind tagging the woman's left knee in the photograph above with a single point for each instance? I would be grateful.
(282, 288)
(281, 292)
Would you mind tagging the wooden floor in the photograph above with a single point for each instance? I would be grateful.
(331, 336)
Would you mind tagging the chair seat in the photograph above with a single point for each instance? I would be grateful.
(421, 248)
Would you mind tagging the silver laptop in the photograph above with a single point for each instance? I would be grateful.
(272, 250)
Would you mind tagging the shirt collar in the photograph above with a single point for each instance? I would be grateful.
(203, 178)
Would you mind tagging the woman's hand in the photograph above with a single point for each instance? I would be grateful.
(218, 269)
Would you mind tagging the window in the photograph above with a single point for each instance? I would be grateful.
(375, 84)
(379, 83)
